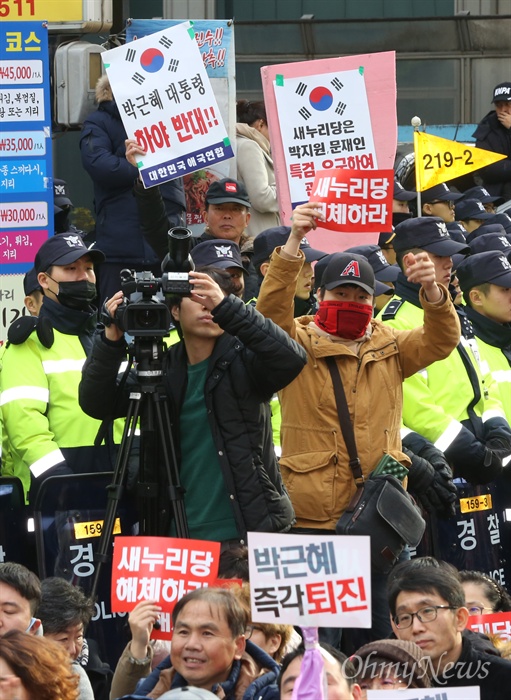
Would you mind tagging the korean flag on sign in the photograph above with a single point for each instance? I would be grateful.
(316, 99)
(323, 118)
(167, 104)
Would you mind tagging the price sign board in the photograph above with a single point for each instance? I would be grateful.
(26, 188)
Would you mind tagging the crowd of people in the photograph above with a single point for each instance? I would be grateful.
(245, 368)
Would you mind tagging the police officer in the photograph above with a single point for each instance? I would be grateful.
(47, 432)
(471, 213)
(485, 280)
(439, 201)
(264, 245)
(464, 420)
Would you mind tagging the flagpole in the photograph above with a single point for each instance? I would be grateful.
(416, 122)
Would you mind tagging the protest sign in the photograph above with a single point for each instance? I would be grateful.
(167, 104)
(354, 199)
(498, 624)
(328, 114)
(463, 693)
(310, 580)
(215, 39)
(438, 160)
(162, 569)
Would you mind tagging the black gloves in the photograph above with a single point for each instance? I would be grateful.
(60, 469)
(497, 436)
(472, 459)
(430, 480)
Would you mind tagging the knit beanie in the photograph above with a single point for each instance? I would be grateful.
(403, 658)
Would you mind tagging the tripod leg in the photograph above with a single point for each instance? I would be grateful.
(116, 488)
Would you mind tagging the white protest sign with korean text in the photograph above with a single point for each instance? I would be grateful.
(167, 104)
(309, 580)
(463, 693)
(324, 124)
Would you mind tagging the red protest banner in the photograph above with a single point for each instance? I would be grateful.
(355, 201)
(163, 569)
(496, 624)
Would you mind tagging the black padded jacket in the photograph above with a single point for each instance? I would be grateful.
(250, 362)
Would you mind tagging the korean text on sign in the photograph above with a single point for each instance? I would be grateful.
(311, 581)
(353, 200)
(324, 123)
(167, 103)
(497, 624)
(160, 568)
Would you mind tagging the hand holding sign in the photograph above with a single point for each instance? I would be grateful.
(134, 152)
(141, 620)
(304, 219)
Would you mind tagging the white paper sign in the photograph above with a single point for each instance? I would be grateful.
(463, 693)
(324, 124)
(167, 104)
(309, 580)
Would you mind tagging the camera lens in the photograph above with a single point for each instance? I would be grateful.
(147, 318)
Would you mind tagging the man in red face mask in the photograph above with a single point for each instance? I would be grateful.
(373, 360)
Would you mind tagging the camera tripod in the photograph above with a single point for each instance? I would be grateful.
(148, 401)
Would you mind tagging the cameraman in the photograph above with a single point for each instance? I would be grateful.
(218, 380)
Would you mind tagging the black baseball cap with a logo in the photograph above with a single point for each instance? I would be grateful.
(401, 194)
(227, 190)
(491, 267)
(64, 249)
(480, 193)
(467, 209)
(217, 253)
(428, 233)
(502, 93)
(486, 228)
(271, 238)
(491, 241)
(501, 218)
(381, 268)
(439, 193)
(349, 268)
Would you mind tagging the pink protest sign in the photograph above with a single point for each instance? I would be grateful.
(354, 200)
(328, 114)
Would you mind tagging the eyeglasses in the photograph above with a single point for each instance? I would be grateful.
(478, 610)
(249, 629)
(427, 614)
(449, 202)
(382, 683)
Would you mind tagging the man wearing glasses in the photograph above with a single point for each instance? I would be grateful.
(439, 201)
(427, 606)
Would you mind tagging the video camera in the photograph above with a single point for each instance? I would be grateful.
(150, 316)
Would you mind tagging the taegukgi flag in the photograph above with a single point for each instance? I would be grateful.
(167, 104)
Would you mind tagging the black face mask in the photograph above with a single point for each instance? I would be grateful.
(400, 216)
(76, 295)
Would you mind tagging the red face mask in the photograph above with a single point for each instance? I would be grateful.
(345, 319)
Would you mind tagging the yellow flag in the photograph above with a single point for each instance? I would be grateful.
(439, 160)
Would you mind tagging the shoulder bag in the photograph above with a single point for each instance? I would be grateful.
(380, 507)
